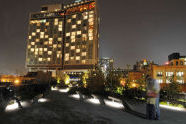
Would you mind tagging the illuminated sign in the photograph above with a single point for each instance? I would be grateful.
(47, 15)
(81, 8)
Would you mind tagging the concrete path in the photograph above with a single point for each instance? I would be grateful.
(59, 108)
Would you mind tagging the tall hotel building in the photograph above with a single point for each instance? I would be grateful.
(63, 37)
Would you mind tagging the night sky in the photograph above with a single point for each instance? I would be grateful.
(130, 30)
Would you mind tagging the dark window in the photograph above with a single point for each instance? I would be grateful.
(176, 62)
(44, 8)
(171, 63)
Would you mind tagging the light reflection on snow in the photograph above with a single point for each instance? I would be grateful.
(113, 104)
(94, 101)
(42, 100)
(64, 90)
(76, 96)
(15, 106)
(54, 89)
(172, 108)
(12, 107)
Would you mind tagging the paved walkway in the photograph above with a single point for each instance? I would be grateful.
(62, 109)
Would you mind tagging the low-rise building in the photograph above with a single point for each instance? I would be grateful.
(173, 70)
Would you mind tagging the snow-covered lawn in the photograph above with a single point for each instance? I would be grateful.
(60, 108)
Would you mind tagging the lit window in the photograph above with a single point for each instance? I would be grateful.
(59, 39)
(32, 43)
(84, 46)
(38, 30)
(169, 74)
(72, 58)
(41, 49)
(46, 43)
(37, 40)
(55, 46)
(160, 81)
(36, 53)
(40, 59)
(49, 52)
(159, 73)
(43, 21)
(42, 36)
(58, 55)
(59, 45)
(90, 31)
(73, 37)
(77, 57)
(73, 26)
(61, 23)
(85, 17)
(91, 12)
(72, 48)
(83, 61)
(29, 46)
(73, 40)
(59, 52)
(67, 34)
(32, 49)
(91, 23)
(74, 16)
(38, 24)
(90, 38)
(45, 49)
(78, 32)
(91, 20)
(47, 24)
(180, 81)
(84, 53)
(69, 20)
(167, 81)
(60, 29)
(30, 37)
(33, 34)
(46, 36)
(50, 42)
(91, 16)
(85, 13)
(90, 34)
(77, 50)
(180, 74)
(40, 53)
(84, 37)
(37, 49)
(56, 21)
(50, 39)
(79, 22)
(48, 59)
(67, 57)
(67, 44)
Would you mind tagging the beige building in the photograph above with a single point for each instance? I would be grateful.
(174, 70)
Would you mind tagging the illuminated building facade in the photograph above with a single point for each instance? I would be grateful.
(81, 36)
(63, 37)
(45, 40)
(174, 70)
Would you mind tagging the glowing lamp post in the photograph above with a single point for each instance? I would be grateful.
(134, 85)
(17, 82)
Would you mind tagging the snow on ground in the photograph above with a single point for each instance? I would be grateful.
(63, 109)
